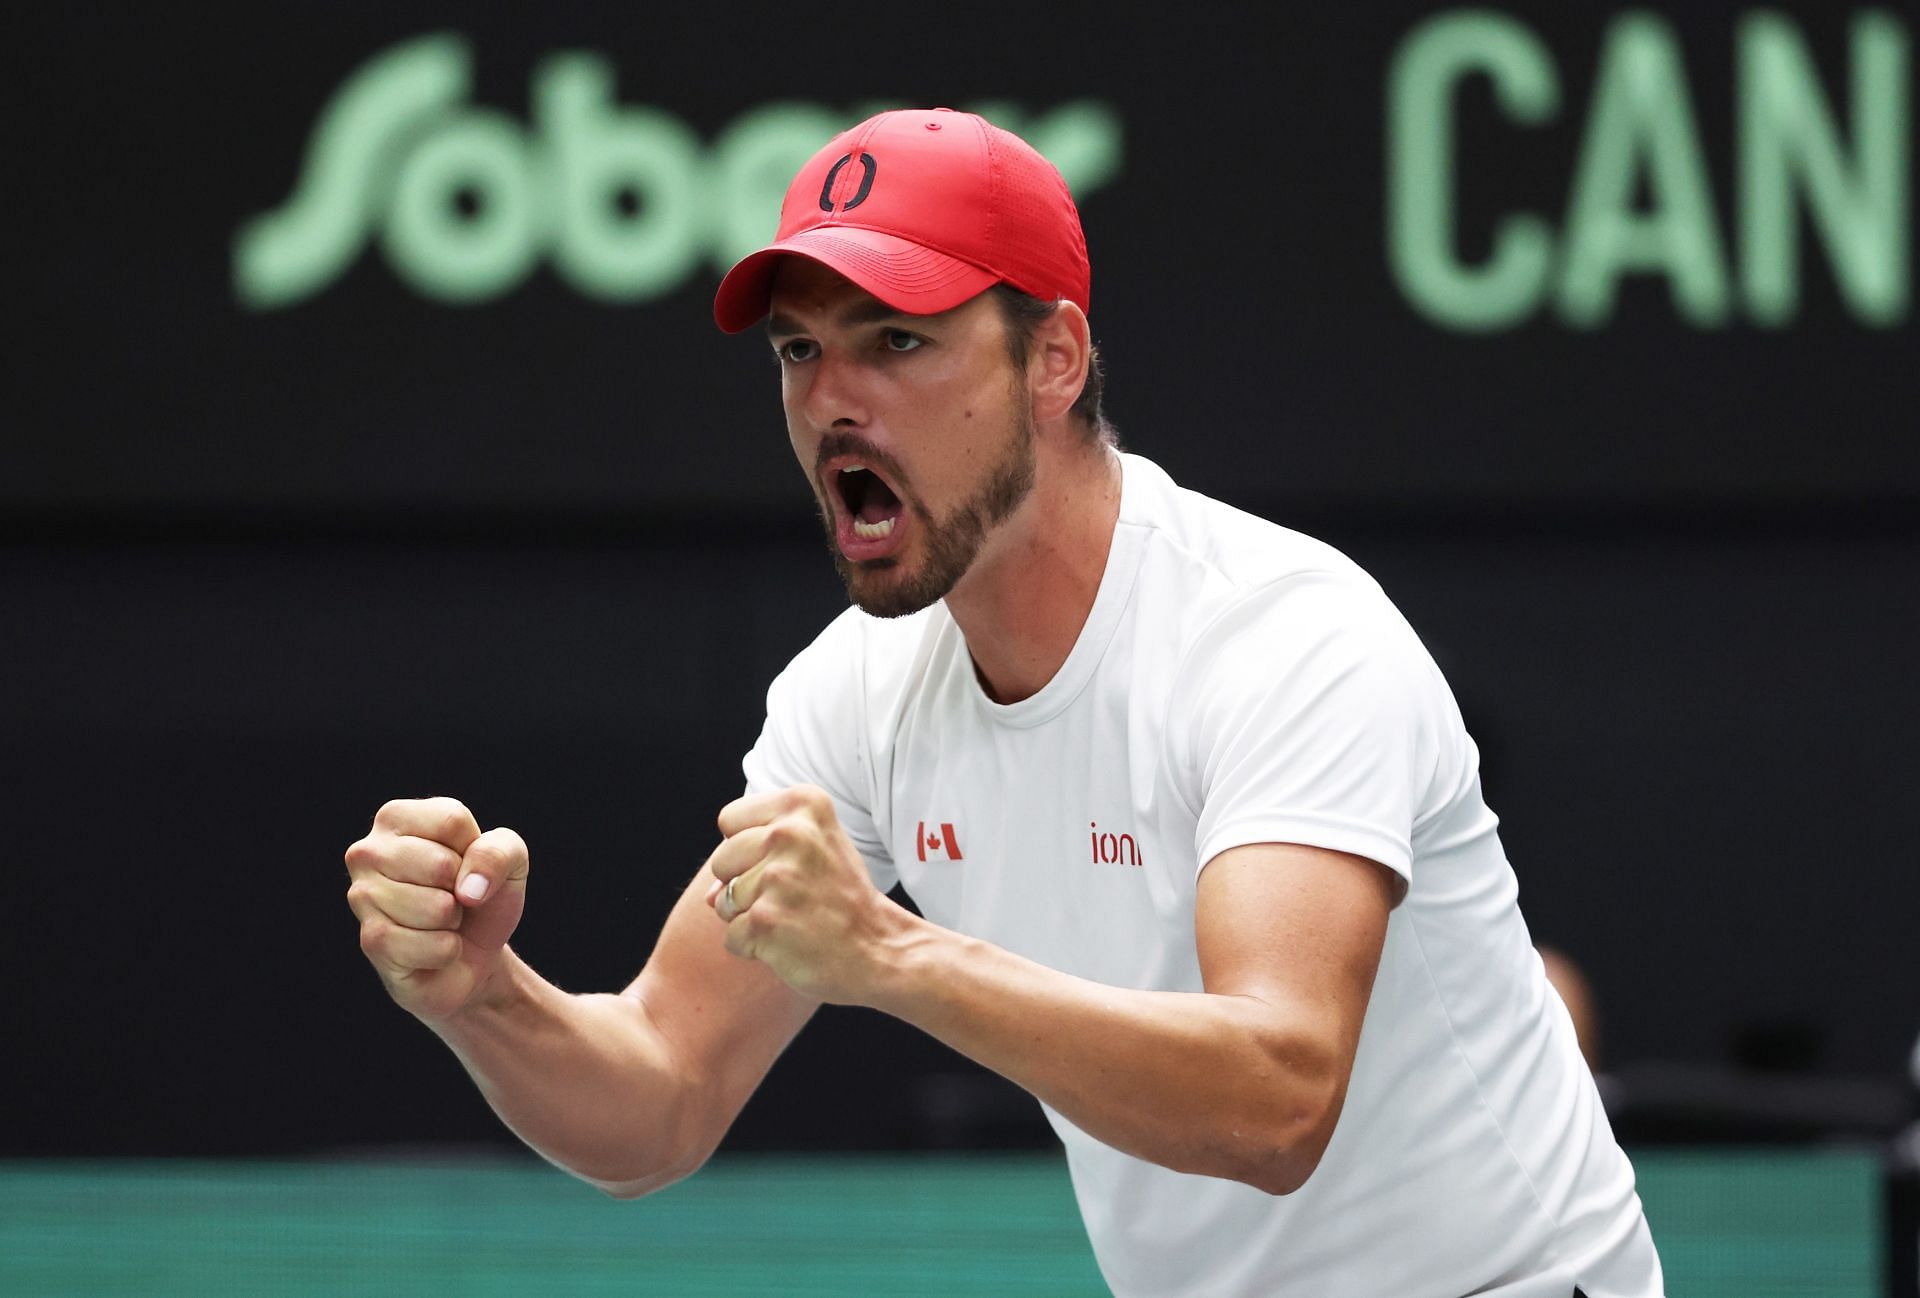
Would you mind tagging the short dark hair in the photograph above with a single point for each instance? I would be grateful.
(1023, 313)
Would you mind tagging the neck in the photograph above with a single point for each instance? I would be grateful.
(1022, 605)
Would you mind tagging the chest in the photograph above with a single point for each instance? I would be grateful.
(1067, 842)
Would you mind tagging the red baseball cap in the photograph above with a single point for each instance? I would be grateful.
(924, 209)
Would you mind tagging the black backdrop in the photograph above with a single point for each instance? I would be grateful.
(264, 568)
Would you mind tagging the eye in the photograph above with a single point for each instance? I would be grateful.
(899, 340)
(795, 349)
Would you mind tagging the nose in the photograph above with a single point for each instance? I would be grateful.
(833, 394)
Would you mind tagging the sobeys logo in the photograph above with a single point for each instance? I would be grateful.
(626, 201)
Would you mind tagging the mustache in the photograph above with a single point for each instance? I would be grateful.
(834, 445)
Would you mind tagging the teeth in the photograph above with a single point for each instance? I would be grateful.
(872, 531)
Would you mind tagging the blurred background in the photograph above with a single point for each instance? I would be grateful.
(367, 435)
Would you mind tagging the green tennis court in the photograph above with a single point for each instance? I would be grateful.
(1753, 1224)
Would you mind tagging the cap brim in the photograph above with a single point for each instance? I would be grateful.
(904, 275)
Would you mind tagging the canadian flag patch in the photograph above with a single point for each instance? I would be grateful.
(938, 839)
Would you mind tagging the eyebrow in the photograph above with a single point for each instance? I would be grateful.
(870, 311)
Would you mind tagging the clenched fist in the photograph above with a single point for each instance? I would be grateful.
(796, 896)
(437, 900)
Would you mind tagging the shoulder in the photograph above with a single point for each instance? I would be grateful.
(829, 714)
(1244, 583)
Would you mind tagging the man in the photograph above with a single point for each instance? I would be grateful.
(1191, 815)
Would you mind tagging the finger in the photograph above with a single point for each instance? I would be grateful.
(405, 858)
(740, 939)
(759, 808)
(750, 810)
(736, 896)
(407, 904)
(736, 855)
(495, 859)
(444, 820)
(398, 951)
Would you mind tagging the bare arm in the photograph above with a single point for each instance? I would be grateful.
(1244, 1080)
(629, 1091)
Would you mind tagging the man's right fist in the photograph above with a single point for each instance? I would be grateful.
(437, 899)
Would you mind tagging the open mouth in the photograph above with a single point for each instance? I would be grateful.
(871, 504)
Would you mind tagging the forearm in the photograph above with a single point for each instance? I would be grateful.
(586, 1080)
(1202, 1083)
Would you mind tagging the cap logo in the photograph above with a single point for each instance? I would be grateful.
(867, 168)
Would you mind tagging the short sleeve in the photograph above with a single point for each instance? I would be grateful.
(815, 733)
(1312, 715)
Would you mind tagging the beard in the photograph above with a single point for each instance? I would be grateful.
(951, 543)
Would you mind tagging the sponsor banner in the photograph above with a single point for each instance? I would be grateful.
(359, 262)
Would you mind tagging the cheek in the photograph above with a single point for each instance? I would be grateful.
(804, 448)
(796, 435)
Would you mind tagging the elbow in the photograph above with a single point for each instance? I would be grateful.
(635, 1189)
(623, 1189)
(1289, 1145)
(1279, 1175)
(640, 1186)
(684, 1140)
(1279, 1169)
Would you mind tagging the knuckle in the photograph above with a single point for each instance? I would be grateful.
(393, 809)
(442, 872)
(803, 833)
(442, 910)
(763, 919)
(773, 875)
(496, 849)
(374, 934)
(813, 799)
(444, 949)
(364, 854)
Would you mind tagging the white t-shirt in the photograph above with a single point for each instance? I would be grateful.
(1235, 683)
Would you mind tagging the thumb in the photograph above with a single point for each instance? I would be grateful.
(496, 859)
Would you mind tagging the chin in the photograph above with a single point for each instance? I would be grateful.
(879, 589)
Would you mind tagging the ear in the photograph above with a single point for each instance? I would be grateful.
(1057, 363)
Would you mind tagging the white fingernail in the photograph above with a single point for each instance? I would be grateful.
(474, 887)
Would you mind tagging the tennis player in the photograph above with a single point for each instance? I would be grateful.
(1191, 815)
